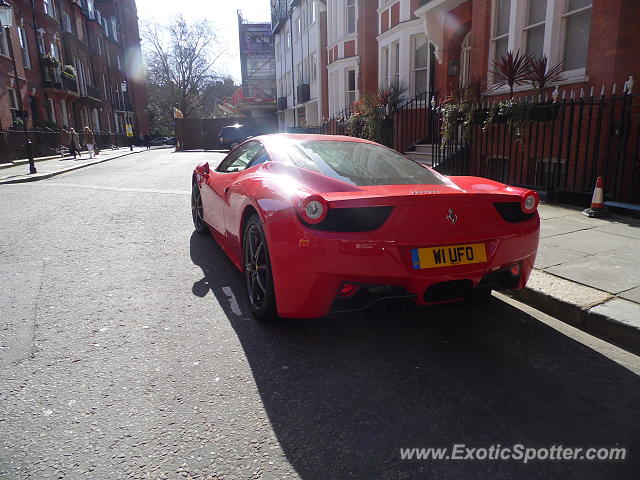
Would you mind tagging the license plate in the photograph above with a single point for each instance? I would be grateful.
(447, 256)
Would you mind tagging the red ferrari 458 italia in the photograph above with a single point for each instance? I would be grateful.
(322, 223)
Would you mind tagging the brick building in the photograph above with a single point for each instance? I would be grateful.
(79, 63)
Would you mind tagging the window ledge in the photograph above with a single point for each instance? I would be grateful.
(526, 88)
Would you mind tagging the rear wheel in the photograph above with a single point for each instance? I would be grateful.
(258, 280)
(196, 209)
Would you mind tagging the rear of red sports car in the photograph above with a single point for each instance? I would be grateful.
(360, 233)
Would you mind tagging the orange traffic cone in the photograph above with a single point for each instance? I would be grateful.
(597, 208)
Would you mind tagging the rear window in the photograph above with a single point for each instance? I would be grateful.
(231, 131)
(360, 164)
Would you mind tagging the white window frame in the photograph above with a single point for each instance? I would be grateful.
(13, 103)
(350, 93)
(24, 47)
(41, 45)
(350, 6)
(414, 70)
(51, 111)
(384, 67)
(48, 7)
(526, 27)
(394, 58)
(554, 34)
(65, 113)
(465, 61)
(4, 46)
(313, 67)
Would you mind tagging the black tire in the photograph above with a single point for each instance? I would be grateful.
(196, 210)
(258, 281)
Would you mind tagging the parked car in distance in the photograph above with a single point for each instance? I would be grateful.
(156, 142)
(233, 135)
(170, 141)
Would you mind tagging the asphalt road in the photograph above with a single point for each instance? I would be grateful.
(127, 351)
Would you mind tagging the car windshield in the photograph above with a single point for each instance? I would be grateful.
(230, 131)
(359, 164)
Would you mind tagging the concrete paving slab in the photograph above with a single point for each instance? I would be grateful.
(631, 230)
(558, 226)
(592, 242)
(633, 294)
(550, 255)
(608, 272)
(547, 211)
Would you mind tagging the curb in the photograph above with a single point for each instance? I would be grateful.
(44, 176)
(603, 315)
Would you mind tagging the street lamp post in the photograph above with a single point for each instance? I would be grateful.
(6, 17)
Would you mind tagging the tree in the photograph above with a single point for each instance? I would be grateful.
(182, 61)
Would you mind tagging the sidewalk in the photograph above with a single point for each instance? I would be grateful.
(18, 171)
(587, 273)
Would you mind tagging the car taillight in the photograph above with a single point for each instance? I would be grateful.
(529, 202)
(312, 209)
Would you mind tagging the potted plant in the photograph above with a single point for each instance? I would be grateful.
(69, 72)
(453, 115)
(511, 70)
(49, 60)
(540, 75)
(515, 113)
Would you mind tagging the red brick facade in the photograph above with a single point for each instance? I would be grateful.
(77, 37)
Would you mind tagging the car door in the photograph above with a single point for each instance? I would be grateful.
(217, 185)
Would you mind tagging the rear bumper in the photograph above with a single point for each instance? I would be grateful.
(310, 267)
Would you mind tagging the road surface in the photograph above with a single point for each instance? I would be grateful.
(127, 351)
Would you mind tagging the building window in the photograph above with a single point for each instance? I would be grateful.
(313, 68)
(557, 29)
(48, 7)
(51, 112)
(351, 86)
(55, 51)
(577, 26)
(534, 28)
(465, 61)
(41, 47)
(65, 113)
(351, 16)
(13, 104)
(385, 67)
(4, 47)
(500, 39)
(286, 34)
(66, 22)
(114, 28)
(420, 64)
(24, 46)
(396, 62)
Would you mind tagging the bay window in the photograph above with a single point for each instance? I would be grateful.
(557, 29)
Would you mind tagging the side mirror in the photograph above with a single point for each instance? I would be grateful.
(203, 169)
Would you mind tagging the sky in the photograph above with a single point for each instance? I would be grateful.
(222, 13)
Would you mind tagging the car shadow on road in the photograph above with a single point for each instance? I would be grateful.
(345, 394)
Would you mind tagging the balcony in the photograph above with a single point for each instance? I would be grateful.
(303, 93)
(93, 92)
(70, 84)
(282, 103)
(51, 76)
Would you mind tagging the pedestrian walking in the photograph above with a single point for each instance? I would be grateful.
(74, 144)
(90, 140)
(147, 140)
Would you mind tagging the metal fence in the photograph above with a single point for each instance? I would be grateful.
(561, 148)
(47, 143)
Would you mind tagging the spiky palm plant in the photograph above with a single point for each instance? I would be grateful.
(540, 75)
(511, 70)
